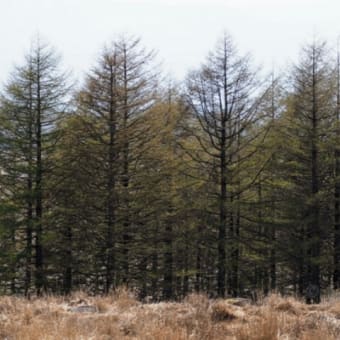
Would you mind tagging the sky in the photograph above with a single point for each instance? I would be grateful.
(181, 31)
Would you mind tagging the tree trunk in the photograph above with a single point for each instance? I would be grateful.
(168, 263)
(110, 256)
(221, 266)
(69, 262)
(336, 273)
(125, 175)
(38, 192)
(314, 229)
(30, 220)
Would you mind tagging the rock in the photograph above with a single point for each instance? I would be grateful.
(84, 309)
(314, 320)
(78, 302)
(240, 302)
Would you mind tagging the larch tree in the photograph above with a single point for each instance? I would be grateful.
(34, 100)
(114, 101)
(310, 119)
(222, 96)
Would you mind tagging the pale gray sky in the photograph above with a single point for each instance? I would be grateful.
(182, 31)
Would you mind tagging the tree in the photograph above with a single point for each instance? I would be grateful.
(117, 96)
(33, 102)
(222, 97)
(310, 121)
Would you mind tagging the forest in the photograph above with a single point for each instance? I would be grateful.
(226, 183)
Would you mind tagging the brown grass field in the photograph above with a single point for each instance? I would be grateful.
(121, 316)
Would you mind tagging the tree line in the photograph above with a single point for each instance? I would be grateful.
(228, 183)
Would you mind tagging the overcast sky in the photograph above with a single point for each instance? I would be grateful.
(182, 31)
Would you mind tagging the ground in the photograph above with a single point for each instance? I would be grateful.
(120, 316)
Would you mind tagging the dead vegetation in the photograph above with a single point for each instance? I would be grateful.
(120, 316)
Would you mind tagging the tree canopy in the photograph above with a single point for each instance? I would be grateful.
(227, 183)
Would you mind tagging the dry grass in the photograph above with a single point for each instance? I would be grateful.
(120, 316)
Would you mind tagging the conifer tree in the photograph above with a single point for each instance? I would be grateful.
(32, 104)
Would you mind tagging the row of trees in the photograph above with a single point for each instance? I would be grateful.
(228, 184)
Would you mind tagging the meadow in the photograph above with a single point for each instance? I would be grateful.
(120, 315)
